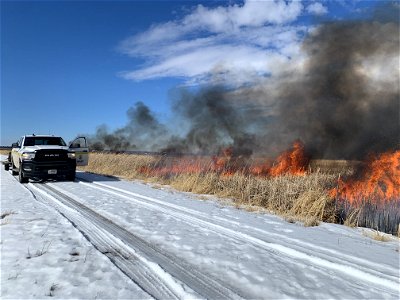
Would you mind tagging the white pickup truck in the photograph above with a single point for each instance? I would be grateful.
(46, 156)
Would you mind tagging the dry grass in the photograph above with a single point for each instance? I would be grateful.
(310, 222)
(371, 213)
(304, 197)
(4, 152)
(301, 196)
(343, 167)
(306, 221)
(378, 236)
(298, 198)
(121, 165)
(352, 218)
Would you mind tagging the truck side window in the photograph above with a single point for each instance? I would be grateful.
(76, 145)
(79, 143)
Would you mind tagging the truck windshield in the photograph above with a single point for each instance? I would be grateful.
(40, 140)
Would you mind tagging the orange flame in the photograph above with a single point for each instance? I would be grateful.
(380, 180)
(221, 162)
(293, 161)
(261, 169)
(175, 167)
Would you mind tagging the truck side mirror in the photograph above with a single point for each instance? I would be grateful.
(15, 145)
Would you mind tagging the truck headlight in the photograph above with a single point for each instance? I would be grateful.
(71, 155)
(28, 156)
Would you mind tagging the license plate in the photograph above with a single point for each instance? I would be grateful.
(52, 172)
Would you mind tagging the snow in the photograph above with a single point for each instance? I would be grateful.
(42, 254)
(257, 255)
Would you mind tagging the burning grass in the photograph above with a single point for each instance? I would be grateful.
(304, 197)
(371, 196)
(379, 181)
(301, 190)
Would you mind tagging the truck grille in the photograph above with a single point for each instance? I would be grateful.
(51, 155)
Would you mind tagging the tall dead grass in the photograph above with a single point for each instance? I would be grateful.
(4, 152)
(303, 197)
(371, 213)
(127, 166)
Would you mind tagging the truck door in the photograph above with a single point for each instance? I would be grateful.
(81, 149)
(15, 152)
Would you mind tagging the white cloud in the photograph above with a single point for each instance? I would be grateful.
(251, 13)
(235, 43)
(317, 9)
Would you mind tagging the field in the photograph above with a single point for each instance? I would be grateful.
(305, 197)
(72, 238)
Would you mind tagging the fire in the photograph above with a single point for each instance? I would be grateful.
(262, 169)
(175, 167)
(379, 180)
(293, 161)
(221, 162)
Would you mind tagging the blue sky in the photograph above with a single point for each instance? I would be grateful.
(68, 67)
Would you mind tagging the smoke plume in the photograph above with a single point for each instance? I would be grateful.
(347, 103)
(344, 103)
(142, 132)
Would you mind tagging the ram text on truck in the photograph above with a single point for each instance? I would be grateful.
(46, 156)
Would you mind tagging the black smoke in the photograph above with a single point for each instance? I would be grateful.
(347, 103)
(142, 132)
(343, 104)
(213, 121)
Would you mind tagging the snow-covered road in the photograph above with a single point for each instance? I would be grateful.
(160, 243)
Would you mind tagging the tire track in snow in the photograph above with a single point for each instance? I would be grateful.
(158, 273)
(125, 259)
(344, 258)
(362, 274)
(304, 246)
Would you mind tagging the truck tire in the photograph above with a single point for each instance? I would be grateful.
(13, 172)
(7, 164)
(71, 177)
(21, 177)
